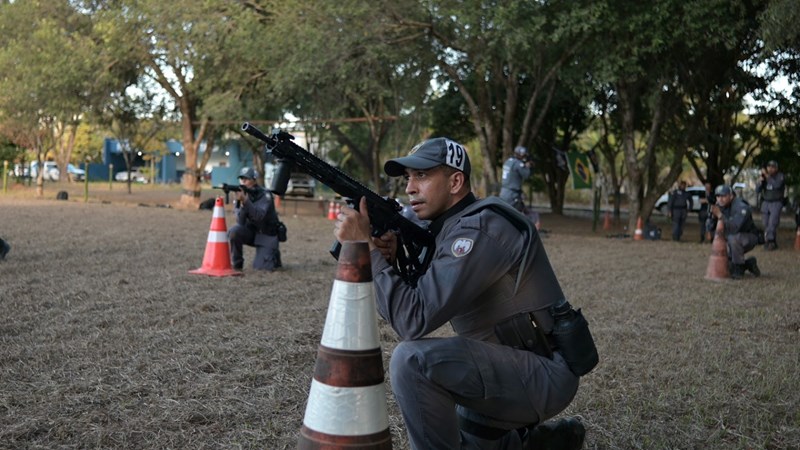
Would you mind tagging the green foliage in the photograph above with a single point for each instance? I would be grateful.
(9, 152)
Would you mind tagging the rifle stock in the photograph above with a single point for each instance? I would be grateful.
(415, 244)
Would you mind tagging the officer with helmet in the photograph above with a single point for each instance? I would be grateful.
(256, 224)
(516, 170)
(740, 231)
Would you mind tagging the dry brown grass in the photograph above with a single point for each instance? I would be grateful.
(109, 342)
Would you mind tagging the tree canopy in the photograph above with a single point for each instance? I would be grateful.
(662, 89)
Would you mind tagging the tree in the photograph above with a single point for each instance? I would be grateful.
(135, 118)
(195, 51)
(342, 75)
(57, 68)
(488, 52)
(652, 68)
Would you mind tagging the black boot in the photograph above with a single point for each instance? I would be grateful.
(4, 249)
(737, 271)
(752, 265)
(566, 433)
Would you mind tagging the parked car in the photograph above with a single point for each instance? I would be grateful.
(50, 171)
(75, 173)
(301, 184)
(136, 176)
(696, 192)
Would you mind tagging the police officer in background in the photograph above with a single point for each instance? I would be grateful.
(256, 224)
(740, 232)
(491, 279)
(516, 170)
(678, 208)
(772, 189)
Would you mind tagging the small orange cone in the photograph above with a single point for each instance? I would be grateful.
(331, 211)
(638, 235)
(607, 222)
(217, 260)
(346, 406)
(718, 261)
(797, 240)
(338, 209)
(277, 199)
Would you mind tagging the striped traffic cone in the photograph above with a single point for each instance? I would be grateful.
(607, 222)
(638, 235)
(217, 259)
(347, 402)
(718, 261)
(331, 211)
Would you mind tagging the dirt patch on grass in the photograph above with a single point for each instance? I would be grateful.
(109, 342)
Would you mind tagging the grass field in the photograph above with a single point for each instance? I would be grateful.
(108, 342)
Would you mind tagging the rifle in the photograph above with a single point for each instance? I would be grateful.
(228, 188)
(415, 244)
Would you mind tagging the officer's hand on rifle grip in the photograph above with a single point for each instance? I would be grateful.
(353, 225)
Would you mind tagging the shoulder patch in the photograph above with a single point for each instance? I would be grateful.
(461, 247)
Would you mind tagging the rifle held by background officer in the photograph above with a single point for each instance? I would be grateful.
(228, 188)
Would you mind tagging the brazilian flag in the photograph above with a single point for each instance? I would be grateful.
(580, 168)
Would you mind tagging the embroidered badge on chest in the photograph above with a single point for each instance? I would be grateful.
(461, 247)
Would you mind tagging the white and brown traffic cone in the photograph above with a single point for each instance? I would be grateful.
(638, 235)
(346, 406)
(718, 261)
(217, 259)
(797, 239)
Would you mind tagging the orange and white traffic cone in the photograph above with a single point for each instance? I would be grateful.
(607, 222)
(718, 261)
(338, 209)
(217, 259)
(277, 199)
(797, 239)
(347, 402)
(638, 235)
(331, 211)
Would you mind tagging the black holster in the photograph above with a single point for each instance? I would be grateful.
(521, 332)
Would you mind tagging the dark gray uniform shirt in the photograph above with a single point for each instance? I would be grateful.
(472, 278)
(484, 270)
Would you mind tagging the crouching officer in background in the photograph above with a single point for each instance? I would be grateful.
(508, 370)
(256, 224)
(741, 232)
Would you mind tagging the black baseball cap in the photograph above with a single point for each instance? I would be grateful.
(429, 154)
(772, 163)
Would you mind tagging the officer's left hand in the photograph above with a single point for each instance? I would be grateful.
(352, 225)
(239, 196)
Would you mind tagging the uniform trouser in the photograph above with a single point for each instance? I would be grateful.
(702, 216)
(266, 247)
(513, 198)
(739, 244)
(771, 217)
(435, 380)
(678, 220)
